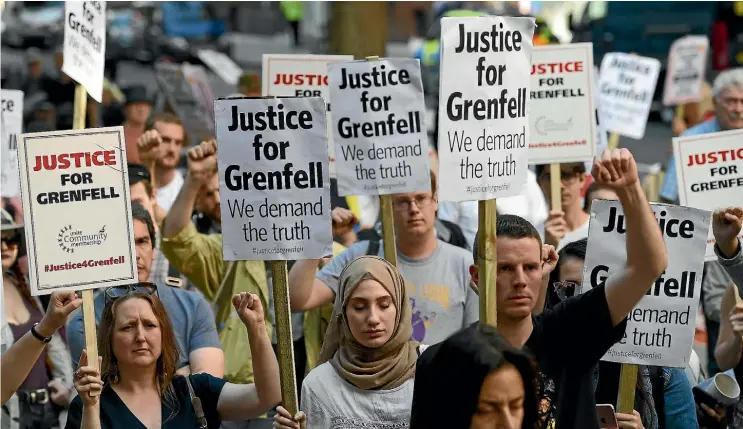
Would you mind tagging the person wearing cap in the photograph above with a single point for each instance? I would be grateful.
(46, 384)
(137, 109)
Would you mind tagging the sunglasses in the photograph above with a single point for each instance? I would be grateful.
(12, 240)
(565, 290)
(141, 288)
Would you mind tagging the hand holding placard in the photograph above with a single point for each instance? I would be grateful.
(726, 225)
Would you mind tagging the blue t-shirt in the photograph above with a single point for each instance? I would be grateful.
(190, 315)
(177, 413)
(670, 189)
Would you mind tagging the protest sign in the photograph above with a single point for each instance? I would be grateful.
(302, 76)
(10, 128)
(85, 44)
(183, 103)
(484, 91)
(273, 178)
(561, 106)
(379, 127)
(709, 171)
(660, 329)
(687, 63)
(626, 88)
(77, 211)
(221, 65)
(199, 82)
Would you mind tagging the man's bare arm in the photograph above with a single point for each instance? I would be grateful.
(307, 292)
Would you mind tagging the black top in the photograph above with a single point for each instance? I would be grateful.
(568, 341)
(175, 414)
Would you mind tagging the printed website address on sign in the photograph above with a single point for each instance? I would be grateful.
(639, 355)
(558, 144)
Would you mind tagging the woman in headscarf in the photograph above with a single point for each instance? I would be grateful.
(365, 376)
(474, 380)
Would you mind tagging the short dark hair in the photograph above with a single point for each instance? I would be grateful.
(141, 214)
(460, 364)
(592, 189)
(510, 226)
(578, 167)
(572, 250)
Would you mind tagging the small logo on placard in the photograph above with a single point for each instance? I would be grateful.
(545, 125)
(70, 238)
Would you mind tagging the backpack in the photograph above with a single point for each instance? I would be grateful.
(446, 231)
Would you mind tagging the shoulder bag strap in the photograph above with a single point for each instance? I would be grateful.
(196, 403)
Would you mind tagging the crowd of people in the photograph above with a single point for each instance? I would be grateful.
(192, 344)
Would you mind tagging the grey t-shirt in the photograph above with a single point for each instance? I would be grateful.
(439, 292)
(330, 402)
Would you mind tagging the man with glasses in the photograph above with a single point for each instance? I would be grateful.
(441, 299)
(199, 349)
(570, 223)
(727, 93)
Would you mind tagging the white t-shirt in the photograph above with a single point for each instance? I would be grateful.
(577, 234)
(166, 195)
(331, 402)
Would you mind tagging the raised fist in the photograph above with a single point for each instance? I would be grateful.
(615, 169)
(149, 147)
(202, 160)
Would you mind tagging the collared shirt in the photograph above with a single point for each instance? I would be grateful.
(670, 191)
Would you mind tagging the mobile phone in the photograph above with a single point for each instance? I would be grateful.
(607, 417)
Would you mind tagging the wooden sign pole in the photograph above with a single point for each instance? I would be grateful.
(91, 340)
(487, 261)
(388, 221)
(555, 187)
(627, 383)
(285, 344)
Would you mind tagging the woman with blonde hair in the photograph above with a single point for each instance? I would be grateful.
(138, 387)
(365, 376)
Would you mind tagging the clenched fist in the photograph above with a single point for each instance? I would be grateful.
(249, 308)
(616, 169)
(202, 161)
(726, 225)
(549, 259)
(148, 145)
(343, 220)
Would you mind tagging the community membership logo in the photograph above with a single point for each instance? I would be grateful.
(544, 125)
(69, 238)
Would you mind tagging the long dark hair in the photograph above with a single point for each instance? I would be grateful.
(449, 377)
(573, 250)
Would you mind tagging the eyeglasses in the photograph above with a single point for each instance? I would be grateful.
(567, 289)
(565, 176)
(403, 205)
(141, 288)
(12, 240)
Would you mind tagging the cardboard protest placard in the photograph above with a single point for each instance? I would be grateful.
(709, 172)
(687, 63)
(199, 82)
(11, 126)
(561, 105)
(221, 65)
(273, 178)
(483, 114)
(660, 329)
(182, 101)
(379, 127)
(626, 88)
(85, 44)
(77, 210)
(302, 76)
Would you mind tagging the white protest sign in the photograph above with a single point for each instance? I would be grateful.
(273, 178)
(483, 114)
(709, 173)
(302, 76)
(77, 210)
(11, 124)
(561, 105)
(687, 63)
(626, 89)
(379, 127)
(221, 65)
(660, 329)
(85, 44)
